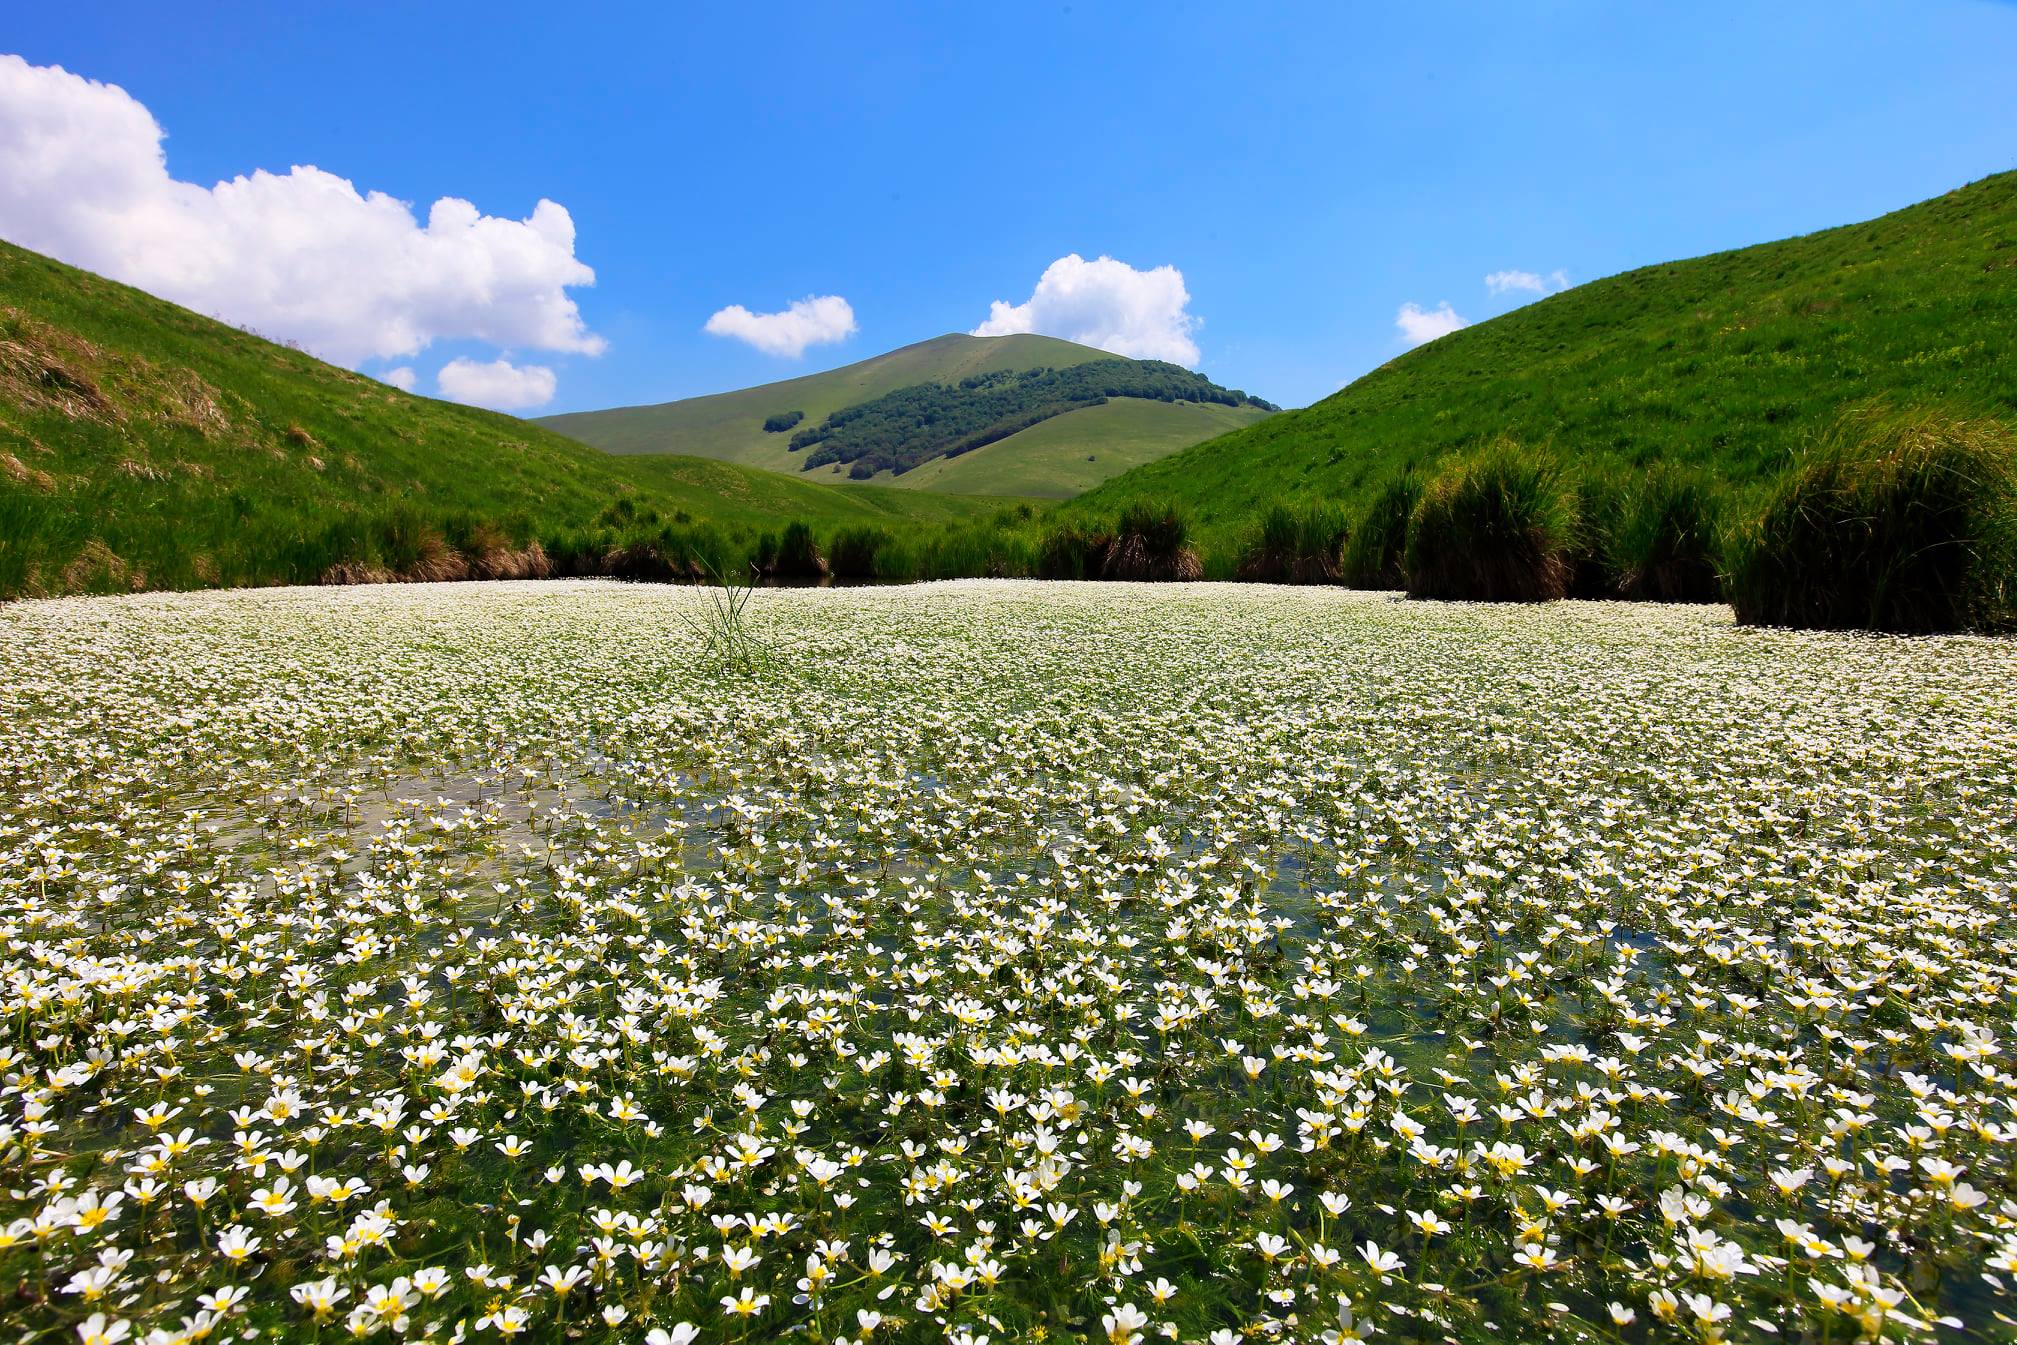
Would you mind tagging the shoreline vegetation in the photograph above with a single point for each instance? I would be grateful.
(1900, 522)
(538, 962)
(1893, 521)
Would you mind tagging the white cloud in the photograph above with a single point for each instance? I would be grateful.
(301, 256)
(813, 321)
(1108, 304)
(402, 378)
(1505, 282)
(1419, 325)
(1501, 282)
(500, 384)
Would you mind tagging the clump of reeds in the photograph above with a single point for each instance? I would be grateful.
(1375, 554)
(791, 554)
(1664, 544)
(1151, 540)
(1495, 527)
(1891, 522)
(1296, 544)
(728, 639)
(854, 551)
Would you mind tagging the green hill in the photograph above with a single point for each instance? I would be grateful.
(1727, 362)
(1062, 456)
(145, 446)
(953, 373)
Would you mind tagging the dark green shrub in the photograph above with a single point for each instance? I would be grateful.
(1376, 552)
(1903, 523)
(782, 421)
(1664, 545)
(1497, 527)
(1300, 544)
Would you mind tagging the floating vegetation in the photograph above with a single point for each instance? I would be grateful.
(1003, 961)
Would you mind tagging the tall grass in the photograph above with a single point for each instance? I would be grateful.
(1664, 546)
(980, 552)
(1496, 527)
(1070, 551)
(1594, 499)
(1891, 522)
(854, 551)
(1152, 540)
(1375, 555)
(1296, 544)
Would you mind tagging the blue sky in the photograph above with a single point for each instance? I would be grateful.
(1308, 169)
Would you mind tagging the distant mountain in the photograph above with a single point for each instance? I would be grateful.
(1021, 415)
(1725, 363)
(145, 446)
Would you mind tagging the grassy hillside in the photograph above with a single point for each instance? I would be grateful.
(731, 426)
(142, 445)
(1066, 455)
(1727, 362)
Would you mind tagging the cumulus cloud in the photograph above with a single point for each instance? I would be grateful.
(1419, 325)
(1506, 282)
(402, 378)
(1501, 282)
(302, 255)
(816, 320)
(1108, 304)
(499, 384)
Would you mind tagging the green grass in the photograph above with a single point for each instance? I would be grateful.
(1497, 527)
(1728, 363)
(1068, 454)
(729, 425)
(1377, 544)
(1904, 523)
(1297, 544)
(1047, 460)
(144, 446)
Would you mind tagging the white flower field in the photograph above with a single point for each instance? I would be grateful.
(1000, 961)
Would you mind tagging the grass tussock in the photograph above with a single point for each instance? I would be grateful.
(1070, 551)
(1497, 527)
(1296, 544)
(1892, 522)
(1664, 545)
(1594, 502)
(1151, 541)
(791, 554)
(1375, 555)
(855, 552)
(1148, 540)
